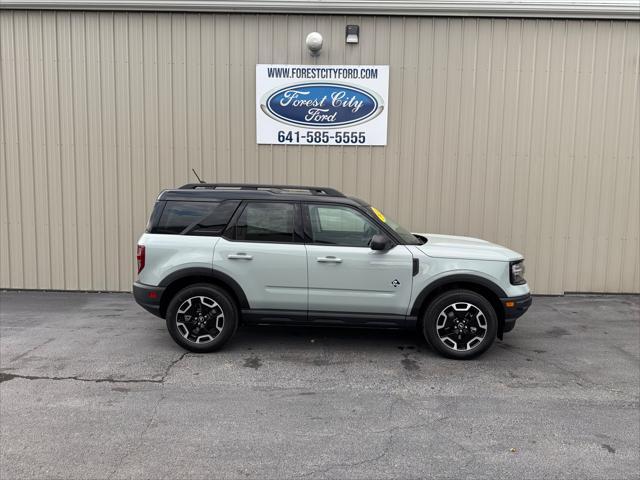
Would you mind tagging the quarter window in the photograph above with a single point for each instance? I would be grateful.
(336, 225)
(266, 222)
(195, 218)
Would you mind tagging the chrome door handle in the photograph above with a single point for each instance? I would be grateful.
(239, 256)
(329, 259)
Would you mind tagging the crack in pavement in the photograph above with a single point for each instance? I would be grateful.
(128, 453)
(171, 365)
(6, 376)
(31, 350)
(385, 451)
(586, 383)
(388, 444)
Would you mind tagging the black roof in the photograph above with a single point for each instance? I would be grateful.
(250, 191)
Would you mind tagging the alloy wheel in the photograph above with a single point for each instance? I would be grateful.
(200, 319)
(461, 326)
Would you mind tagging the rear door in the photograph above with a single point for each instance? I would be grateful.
(263, 253)
(345, 275)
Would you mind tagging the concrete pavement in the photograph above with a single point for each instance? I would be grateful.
(92, 386)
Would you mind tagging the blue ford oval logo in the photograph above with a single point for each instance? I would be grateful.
(322, 105)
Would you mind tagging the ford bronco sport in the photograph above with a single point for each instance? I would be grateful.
(217, 255)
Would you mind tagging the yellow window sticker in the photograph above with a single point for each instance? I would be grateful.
(379, 214)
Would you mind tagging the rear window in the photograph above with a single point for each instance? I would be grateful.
(195, 218)
(266, 222)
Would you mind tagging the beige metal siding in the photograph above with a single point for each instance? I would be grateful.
(524, 132)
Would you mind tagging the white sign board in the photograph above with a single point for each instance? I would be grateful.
(322, 104)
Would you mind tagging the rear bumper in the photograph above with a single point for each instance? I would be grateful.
(148, 297)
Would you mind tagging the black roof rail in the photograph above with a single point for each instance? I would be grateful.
(331, 192)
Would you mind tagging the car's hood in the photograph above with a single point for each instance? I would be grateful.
(450, 246)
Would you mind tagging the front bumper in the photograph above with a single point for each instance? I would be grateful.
(148, 297)
(515, 307)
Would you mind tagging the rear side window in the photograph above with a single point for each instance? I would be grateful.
(195, 218)
(266, 222)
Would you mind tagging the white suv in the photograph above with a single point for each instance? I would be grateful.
(217, 255)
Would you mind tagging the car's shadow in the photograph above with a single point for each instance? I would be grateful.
(274, 339)
(261, 337)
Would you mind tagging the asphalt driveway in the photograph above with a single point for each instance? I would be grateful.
(91, 386)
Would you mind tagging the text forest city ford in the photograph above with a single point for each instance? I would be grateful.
(322, 105)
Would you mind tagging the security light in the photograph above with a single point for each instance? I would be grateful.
(353, 32)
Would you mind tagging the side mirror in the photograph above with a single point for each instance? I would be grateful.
(379, 242)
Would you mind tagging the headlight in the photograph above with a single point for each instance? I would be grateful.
(516, 272)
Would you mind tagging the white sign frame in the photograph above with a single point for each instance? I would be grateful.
(345, 105)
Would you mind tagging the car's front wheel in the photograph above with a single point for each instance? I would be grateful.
(460, 324)
(202, 318)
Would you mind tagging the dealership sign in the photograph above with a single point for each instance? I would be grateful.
(322, 105)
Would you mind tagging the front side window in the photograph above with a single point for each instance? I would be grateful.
(266, 222)
(337, 225)
(195, 218)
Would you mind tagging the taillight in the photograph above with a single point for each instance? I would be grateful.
(140, 257)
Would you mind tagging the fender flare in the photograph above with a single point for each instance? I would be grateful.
(452, 279)
(211, 273)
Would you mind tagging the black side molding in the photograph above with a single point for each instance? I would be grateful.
(452, 279)
(326, 319)
(276, 317)
(208, 273)
(347, 319)
(416, 266)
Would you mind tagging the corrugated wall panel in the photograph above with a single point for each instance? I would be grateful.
(5, 260)
(521, 131)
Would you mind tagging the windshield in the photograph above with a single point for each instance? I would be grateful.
(405, 234)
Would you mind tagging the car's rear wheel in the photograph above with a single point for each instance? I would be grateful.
(202, 318)
(460, 324)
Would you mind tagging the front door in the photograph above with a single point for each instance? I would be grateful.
(260, 252)
(345, 275)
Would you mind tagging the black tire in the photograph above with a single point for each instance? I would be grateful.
(470, 324)
(216, 300)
